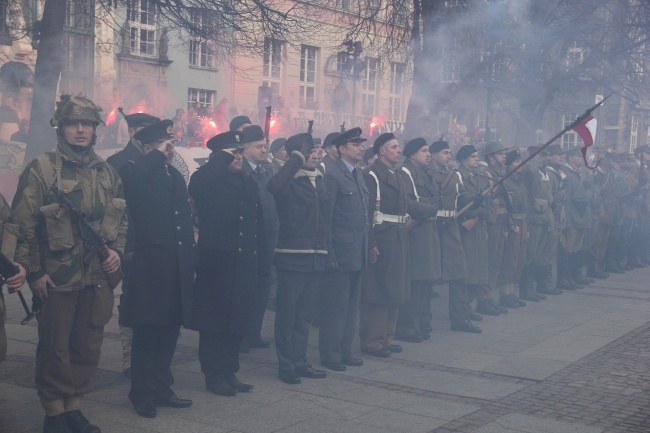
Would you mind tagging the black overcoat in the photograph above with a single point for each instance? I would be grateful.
(231, 237)
(160, 287)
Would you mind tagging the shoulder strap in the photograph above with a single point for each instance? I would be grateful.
(445, 182)
(50, 171)
(372, 173)
(415, 190)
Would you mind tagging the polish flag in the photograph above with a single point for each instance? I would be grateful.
(587, 131)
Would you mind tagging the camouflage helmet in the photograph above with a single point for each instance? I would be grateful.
(76, 108)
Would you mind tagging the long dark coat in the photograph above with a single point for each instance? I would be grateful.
(475, 240)
(348, 210)
(514, 247)
(388, 280)
(160, 288)
(424, 244)
(452, 197)
(577, 199)
(231, 236)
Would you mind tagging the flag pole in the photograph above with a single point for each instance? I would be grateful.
(532, 155)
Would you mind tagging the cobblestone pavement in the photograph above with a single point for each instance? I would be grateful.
(579, 362)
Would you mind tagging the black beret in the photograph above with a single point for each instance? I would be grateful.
(413, 146)
(136, 120)
(316, 140)
(512, 156)
(277, 144)
(439, 145)
(381, 140)
(163, 130)
(238, 121)
(329, 138)
(252, 133)
(368, 154)
(465, 151)
(225, 140)
(297, 141)
(352, 135)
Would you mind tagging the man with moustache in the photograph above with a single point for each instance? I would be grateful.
(132, 152)
(385, 282)
(258, 168)
(341, 287)
(453, 263)
(231, 234)
(77, 300)
(301, 254)
(414, 315)
(159, 300)
(473, 231)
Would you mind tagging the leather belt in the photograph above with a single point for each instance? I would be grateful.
(446, 213)
(399, 219)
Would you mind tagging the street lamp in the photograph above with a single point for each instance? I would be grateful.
(354, 65)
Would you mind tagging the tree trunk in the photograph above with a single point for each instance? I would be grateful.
(47, 72)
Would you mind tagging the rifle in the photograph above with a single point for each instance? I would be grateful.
(94, 242)
(310, 126)
(8, 270)
(267, 126)
(534, 154)
(343, 127)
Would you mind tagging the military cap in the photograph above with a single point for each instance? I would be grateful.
(554, 149)
(439, 145)
(225, 140)
(380, 141)
(465, 151)
(352, 135)
(534, 148)
(251, 133)
(277, 144)
(368, 154)
(317, 140)
(163, 130)
(512, 156)
(136, 120)
(76, 108)
(494, 147)
(238, 121)
(645, 148)
(413, 146)
(297, 141)
(329, 138)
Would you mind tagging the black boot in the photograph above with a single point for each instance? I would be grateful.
(527, 286)
(236, 384)
(484, 306)
(79, 424)
(56, 424)
(220, 386)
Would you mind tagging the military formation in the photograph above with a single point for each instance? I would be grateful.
(353, 234)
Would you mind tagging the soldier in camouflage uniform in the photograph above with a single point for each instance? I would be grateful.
(13, 246)
(77, 299)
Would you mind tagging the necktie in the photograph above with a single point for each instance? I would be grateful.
(259, 172)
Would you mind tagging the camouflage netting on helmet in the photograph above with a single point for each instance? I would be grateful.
(76, 108)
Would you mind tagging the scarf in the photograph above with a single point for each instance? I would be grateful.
(82, 156)
(310, 174)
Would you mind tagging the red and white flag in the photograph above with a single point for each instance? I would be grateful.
(587, 131)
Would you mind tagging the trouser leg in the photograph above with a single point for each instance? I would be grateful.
(218, 354)
(373, 325)
(458, 302)
(425, 317)
(407, 323)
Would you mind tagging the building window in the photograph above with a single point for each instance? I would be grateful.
(308, 77)
(369, 87)
(199, 98)
(368, 104)
(142, 18)
(569, 139)
(634, 132)
(341, 60)
(272, 67)
(395, 90)
(343, 5)
(201, 55)
(78, 43)
(4, 27)
(575, 55)
(451, 61)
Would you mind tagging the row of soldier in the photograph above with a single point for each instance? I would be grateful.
(366, 246)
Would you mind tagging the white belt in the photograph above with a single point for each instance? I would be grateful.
(446, 213)
(388, 218)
